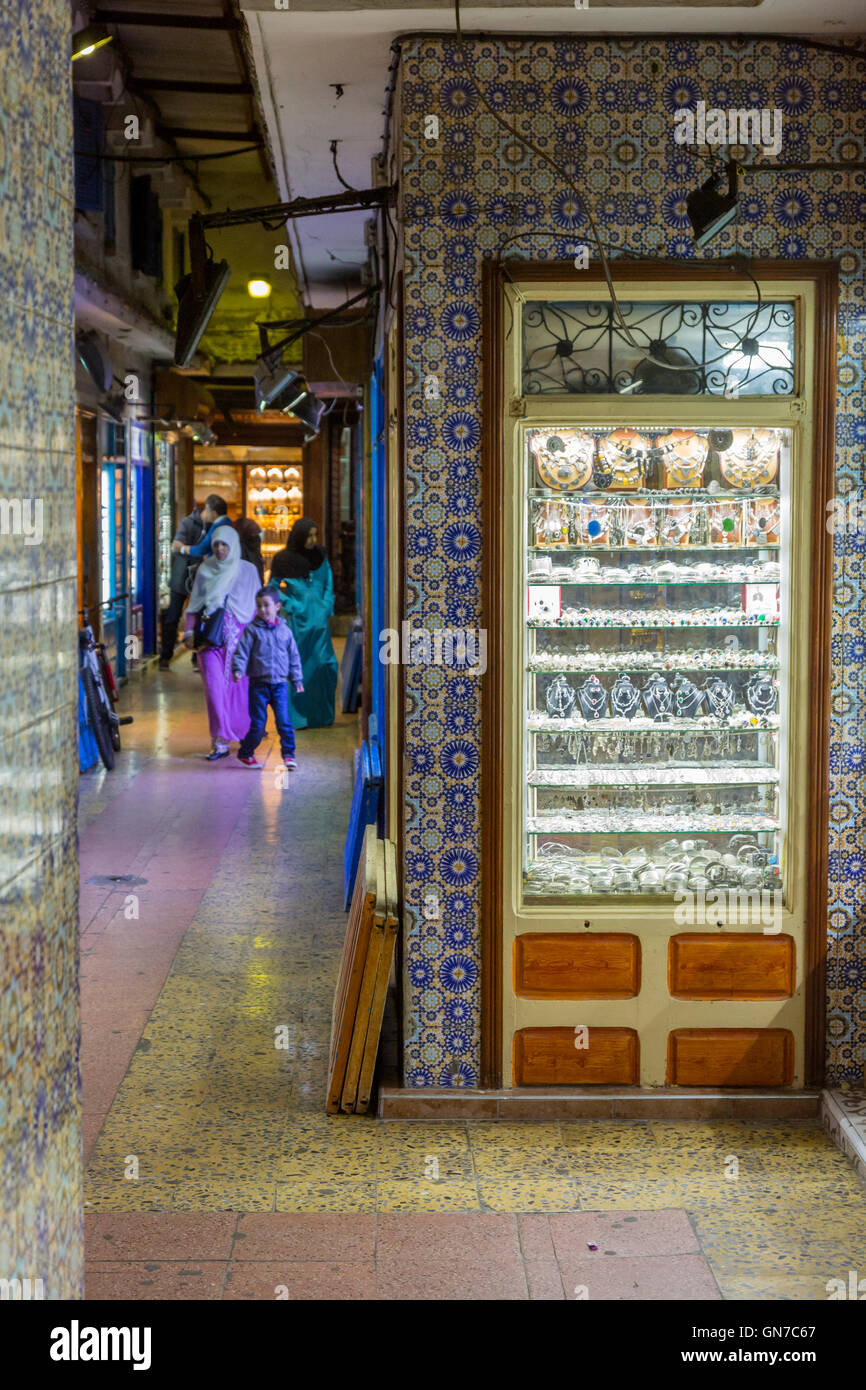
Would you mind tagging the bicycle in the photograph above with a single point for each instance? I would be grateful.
(100, 692)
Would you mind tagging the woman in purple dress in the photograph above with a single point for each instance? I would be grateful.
(223, 579)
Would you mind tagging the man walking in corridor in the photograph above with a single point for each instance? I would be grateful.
(190, 530)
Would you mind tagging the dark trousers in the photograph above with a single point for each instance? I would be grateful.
(262, 694)
(170, 621)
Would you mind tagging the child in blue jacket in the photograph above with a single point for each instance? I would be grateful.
(267, 652)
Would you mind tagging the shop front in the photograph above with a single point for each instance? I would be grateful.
(630, 836)
(657, 557)
(265, 483)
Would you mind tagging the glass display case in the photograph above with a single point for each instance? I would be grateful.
(275, 500)
(656, 581)
(225, 479)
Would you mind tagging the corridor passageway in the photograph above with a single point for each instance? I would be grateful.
(213, 1170)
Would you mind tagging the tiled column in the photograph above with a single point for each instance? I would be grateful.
(40, 1182)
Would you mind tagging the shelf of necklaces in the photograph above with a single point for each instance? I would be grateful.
(660, 732)
(651, 655)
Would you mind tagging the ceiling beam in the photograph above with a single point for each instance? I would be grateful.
(171, 84)
(176, 132)
(229, 8)
(165, 21)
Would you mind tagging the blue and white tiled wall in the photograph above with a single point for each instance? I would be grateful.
(40, 1091)
(604, 109)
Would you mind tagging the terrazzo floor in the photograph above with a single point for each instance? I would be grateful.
(206, 1000)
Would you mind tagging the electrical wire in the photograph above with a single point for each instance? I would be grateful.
(639, 256)
(334, 144)
(582, 202)
(163, 159)
(342, 380)
(392, 259)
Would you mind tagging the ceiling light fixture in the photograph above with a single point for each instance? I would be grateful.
(197, 294)
(87, 40)
(709, 210)
(258, 289)
(309, 410)
(277, 386)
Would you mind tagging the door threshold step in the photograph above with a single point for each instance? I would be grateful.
(595, 1103)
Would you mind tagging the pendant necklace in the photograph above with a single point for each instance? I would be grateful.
(593, 698)
(624, 698)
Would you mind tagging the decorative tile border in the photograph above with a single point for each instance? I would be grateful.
(604, 109)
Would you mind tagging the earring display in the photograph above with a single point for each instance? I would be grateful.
(725, 521)
(679, 520)
(654, 697)
(762, 522)
(639, 525)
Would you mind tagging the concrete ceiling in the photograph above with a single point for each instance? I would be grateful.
(301, 51)
(185, 66)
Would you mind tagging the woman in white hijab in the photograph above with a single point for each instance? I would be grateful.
(224, 580)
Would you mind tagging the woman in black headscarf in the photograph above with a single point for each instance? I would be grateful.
(303, 576)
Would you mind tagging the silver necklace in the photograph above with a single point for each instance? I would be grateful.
(624, 698)
(593, 698)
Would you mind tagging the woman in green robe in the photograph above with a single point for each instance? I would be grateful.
(303, 576)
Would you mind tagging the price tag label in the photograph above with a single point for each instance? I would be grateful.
(761, 601)
(543, 602)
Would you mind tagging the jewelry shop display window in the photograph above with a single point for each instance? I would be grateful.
(661, 574)
(657, 618)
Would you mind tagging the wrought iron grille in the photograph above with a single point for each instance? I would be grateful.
(685, 348)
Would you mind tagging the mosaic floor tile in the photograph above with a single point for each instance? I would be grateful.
(693, 1193)
(324, 1196)
(528, 1194)
(445, 1195)
(222, 1122)
(607, 1135)
(492, 1163)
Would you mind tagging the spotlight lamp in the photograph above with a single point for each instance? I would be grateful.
(277, 386)
(709, 209)
(87, 40)
(197, 295)
(309, 410)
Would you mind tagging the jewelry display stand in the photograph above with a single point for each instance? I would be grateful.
(652, 719)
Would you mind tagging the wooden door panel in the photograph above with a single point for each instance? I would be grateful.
(730, 1057)
(549, 1057)
(565, 965)
(731, 965)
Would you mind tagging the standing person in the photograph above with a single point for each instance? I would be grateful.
(190, 530)
(303, 576)
(268, 652)
(214, 514)
(251, 543)
(224, 581)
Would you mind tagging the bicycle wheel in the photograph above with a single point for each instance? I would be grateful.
(99, 718)
(108, 682)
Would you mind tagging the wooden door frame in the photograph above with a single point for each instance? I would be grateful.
(495, 275)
